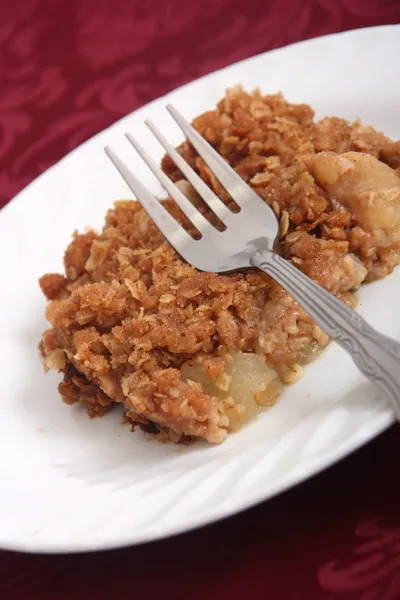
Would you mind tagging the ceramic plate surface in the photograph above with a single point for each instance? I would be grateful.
(68, 483)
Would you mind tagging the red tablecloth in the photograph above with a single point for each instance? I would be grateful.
(67, 70)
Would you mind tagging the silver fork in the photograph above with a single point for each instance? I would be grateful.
(248, 242)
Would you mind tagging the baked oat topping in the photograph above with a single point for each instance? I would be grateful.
(192, 354)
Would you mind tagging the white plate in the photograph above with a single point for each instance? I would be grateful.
(68, 483)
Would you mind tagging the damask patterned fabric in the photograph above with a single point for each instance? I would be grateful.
(69, 68)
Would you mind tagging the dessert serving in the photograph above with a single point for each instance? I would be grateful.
(195, 355)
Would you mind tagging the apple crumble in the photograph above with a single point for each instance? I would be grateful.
(191, 354)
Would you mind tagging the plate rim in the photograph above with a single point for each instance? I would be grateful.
(347, 449)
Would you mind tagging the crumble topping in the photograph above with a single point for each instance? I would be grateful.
(192, 354)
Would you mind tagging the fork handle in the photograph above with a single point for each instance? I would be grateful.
(376, 355)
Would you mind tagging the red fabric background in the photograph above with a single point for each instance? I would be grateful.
(67, 70)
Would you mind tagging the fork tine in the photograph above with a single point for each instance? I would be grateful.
(195, 216)
(173, 231)
(211, 199)
(232, 182)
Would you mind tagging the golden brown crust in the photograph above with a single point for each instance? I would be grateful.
(130, 312)
(76, 388)
(53, 285)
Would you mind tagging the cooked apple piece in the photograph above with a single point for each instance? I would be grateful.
(246, 384)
